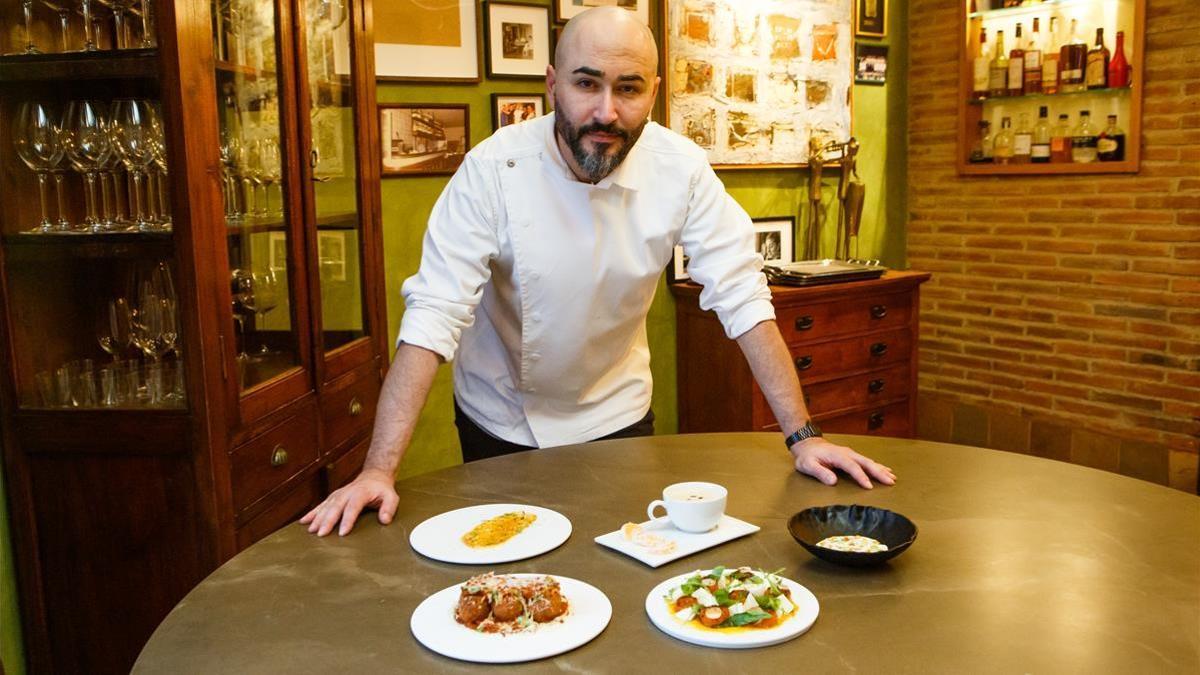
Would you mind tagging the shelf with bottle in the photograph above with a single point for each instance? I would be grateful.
(983, 9)
(1042, 98)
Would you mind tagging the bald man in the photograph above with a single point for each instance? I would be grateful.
(538, 267)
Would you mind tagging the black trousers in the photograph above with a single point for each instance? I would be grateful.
(478, 444)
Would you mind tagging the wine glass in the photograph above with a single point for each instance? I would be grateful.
(147, 24)
(270, 164)
(30, 47)
(158, 158)
(115, 328)
(36, 140)
(121, 8)
(64, 22)
(86, 143)
(89, 27)
(231, 184)
(132, 138)
(252, 173)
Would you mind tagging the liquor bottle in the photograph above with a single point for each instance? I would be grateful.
(1110, 146)
(982, 66)
(1072, 61)
(1022, 140)
(1097, 63)
(1084, 139)
(1033, 61)
(1040, 151)
(981, 152)
(1002, 153)
(1016, 66)
(1118, 67)
(1050, 59)
(998, 71)
(1060, 141)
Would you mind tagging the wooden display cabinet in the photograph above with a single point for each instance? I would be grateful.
(1125, 102)
(193, 360)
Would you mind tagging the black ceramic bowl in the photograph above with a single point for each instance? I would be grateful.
(888, 527)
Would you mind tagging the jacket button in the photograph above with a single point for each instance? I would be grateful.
(511, 163)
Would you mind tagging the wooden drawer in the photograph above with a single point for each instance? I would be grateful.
(889, 420)
(286, 510)
(344, 468)
(852, 392)
(348, 406)
(270, 460)
(807, 323)
(832, 359)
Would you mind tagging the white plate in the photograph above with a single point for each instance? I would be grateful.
(588, 614)
(440, 537)
(686, 543)
(660, 614)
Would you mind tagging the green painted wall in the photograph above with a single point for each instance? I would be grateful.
(11, 650)
(879, 124)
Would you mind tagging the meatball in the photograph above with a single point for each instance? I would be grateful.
(508, 606)
(473, 608)
(548, 606)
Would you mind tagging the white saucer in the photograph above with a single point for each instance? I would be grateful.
(686, 543)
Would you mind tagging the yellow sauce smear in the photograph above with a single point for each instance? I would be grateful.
(498, 530)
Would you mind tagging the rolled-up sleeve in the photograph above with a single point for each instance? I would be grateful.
(718, 238)
(460, 243)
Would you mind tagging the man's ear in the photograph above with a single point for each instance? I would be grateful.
(550, 79)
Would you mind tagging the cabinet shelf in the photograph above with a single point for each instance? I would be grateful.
(1113, 91)
(116, 245)
(1030, 169)
(100, 65)
(1028, 9)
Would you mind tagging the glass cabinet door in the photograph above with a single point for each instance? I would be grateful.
(333, 163)
(258, 221)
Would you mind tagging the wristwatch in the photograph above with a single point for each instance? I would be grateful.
(809, 430)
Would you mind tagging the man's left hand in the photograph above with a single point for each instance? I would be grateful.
(818, 458)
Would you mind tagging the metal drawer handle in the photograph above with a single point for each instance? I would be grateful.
(805, 322)
(879, 349)
(878, 311)
(279, 456)
(875, 420)
(356, 407)
(875, 386)
(804, 363)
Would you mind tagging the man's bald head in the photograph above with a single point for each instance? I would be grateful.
(605, 30)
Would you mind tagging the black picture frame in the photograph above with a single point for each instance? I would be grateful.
(870, 64)
(495, 53)
(440, 162)
(870, 19)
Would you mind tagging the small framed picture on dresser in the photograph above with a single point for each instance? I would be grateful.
(677, 270)
(773, 239)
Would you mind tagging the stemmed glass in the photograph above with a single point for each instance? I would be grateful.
(252, 173)
(86, 143)
(120, 8)
(147, 25)
(30, 47)
(132, 137)
(64, 22)
(270, 169)
(37, 144)
(158, 157)
(115, 328)
(89, 27)
(230, 148)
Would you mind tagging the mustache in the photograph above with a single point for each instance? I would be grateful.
(611, 129)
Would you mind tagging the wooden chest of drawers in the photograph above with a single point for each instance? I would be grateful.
(854, 346)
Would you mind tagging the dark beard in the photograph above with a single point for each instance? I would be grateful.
(598, 163)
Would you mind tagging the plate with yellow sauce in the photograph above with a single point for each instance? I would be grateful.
(490, 533)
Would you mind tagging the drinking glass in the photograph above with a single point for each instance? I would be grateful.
(114, 330)
(110, 386)
(252, 174)
(270, 165)
(46, 391)
(230, 182)
(132, 138)
(147, 25)
(85, 141)
(27, 8)
(158, 158)
(89, 27)
(64, 22)
(121, 8)
(36, 140)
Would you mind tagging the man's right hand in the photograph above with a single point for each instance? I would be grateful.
(371, 488)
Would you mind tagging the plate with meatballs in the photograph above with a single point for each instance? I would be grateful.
(510, 618)
(732, 607)
(488, 534)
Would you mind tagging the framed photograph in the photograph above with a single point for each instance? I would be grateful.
(513, 108)
(752, 83)
(773, 239)
(564, 10)
(421, 41)
(677, 271)
(518, 40)
(423, 139)
(331, 251)
(870, 18)
(870, 64)
(278, 253)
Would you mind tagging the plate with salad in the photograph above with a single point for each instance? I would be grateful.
(732, 607)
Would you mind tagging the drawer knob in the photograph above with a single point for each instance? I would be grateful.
(875, 386)
(878, 311)
(879, 349)
(279, 456)
(875, 421)
(804, 323)
(356, 407)
(804, 363)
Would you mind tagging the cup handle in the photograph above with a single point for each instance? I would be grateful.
(654, 505)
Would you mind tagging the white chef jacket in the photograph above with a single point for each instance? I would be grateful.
(540, 284)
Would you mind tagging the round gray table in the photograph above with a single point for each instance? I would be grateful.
(1022, 565)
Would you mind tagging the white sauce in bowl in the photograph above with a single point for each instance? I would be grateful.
(852, 543)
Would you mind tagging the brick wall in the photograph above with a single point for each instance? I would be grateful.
(1063, 318)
